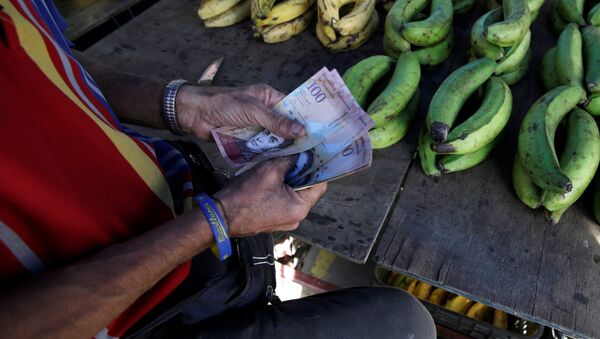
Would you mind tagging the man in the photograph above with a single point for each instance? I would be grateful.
(90, 243)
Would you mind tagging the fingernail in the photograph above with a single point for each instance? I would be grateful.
(297, 128)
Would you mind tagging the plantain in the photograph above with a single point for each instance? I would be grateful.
(514, 55)
(357, 19)
(232, 16)
(594, 15)
(479, 43)
(536, 137)
(427, 157)
(591, 51)
(400, 90)
(460, 162)
(527, 191)
(436, 54)
(285, 11)
(514, 26)
(548, 70)
(557, 22)
(212, 8)
(593, 104)
(480, 312)
(569, 57)
(411, 287)
(285, 31)
(260, 8)
(513, 76)
(422, 290)
(438, 296)
(553, 217)
(433, 29)
(452, 94)
(393, 131)
(484, 125)
(458, 304)
(462, 6)
(351, 42)
(401, 12)
(579, 160)
(361, 77)
(571, 10)
(500, 320)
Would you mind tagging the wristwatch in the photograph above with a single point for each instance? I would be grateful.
(169, 109)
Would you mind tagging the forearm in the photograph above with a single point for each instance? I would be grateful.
(79, 300)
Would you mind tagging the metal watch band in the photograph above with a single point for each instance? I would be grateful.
(169, 110)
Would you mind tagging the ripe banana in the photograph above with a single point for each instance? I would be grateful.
(452, 94)
(460, 162)
(571, 10)
(458, 304)
(399, 92)
(500, 319)
(357, 19)
(437, 53)
(557, 22)
(536, 137)
(346, 43)
(433, 29)
(527, 191)
(593, 104)
(514, 55)
(427, 157)
(484, 125)
(422, 290)
(361, 77)
(479, 43)
(579, 160)
(438, 296)
(569, 57)
(591, 51)
(285, 11)
(511, 77)
(594, 15)
(286, 30)
(411, 287)
(480, 312)
(260, 8)
(516, 23)
(211, 8)
(393, 131)
(548, 70)
(232, 16)
(462, 6)
(403, 11)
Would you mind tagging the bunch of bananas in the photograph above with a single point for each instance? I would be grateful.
(469, 143)
(453, 302)
(573, 11)
(534, 6)
(223, 13)
(503, 34)
(278, 22)
(432, 35)
(344, 25)
(393, 108)
(564, 64)
(540, 178)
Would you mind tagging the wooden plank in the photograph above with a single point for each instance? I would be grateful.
(169, 41)
(468, 232)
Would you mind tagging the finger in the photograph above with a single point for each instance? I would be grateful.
(277, 168)
(266, 94)
(312, 194)
(276, 123)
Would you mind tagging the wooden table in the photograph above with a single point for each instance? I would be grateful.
(467, 231)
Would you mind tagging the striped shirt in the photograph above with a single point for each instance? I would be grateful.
(72, 178)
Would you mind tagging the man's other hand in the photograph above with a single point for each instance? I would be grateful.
(259, 201)
(200, 109)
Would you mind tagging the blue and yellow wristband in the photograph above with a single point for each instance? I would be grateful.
(217, 224)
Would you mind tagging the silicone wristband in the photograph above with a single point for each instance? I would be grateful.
(217, 224)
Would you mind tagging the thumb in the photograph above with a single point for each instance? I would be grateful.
(278, 167)
(277, 123)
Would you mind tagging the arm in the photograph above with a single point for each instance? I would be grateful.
(79, 300)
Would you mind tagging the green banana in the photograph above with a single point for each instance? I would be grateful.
(479, 43)
(437, 53)
(433, 29)
(533, 15)
(394, 44)
(535, 5)
(515, 55)
(557, 22)
(571, 10)
(569, 57)
(484, 125)
(579, 160)
(462, 6)
(361, 77)
(401, 12)
(516, 23)
(460, 162)
(553, 217)
(593, 104)
(548, 70)
(594, 15)
(526, 189)
(515, 75)
(536, 137)
(591, 51)
(597, 204)
(427, 157)
(452, 94)
(394, 130)
(400, 90)
(260, 8)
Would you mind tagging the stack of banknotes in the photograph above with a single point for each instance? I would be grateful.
(337, 141)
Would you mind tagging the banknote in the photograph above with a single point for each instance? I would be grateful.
(323, 104)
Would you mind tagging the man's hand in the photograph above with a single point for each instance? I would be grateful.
(200, 109)
(258, 200)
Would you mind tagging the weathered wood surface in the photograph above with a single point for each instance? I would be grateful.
(469, 232)
(169, 41)
(85, 15)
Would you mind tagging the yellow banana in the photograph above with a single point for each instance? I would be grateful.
(348, 42)
(500, 319)
(260, 8)
(357, 19)
(422, 290)
(212, 8)
(411, 287)
(285, 31)
(237, 13)
(458, 304)
(285, 11)
(438, 296)
(479, 311)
